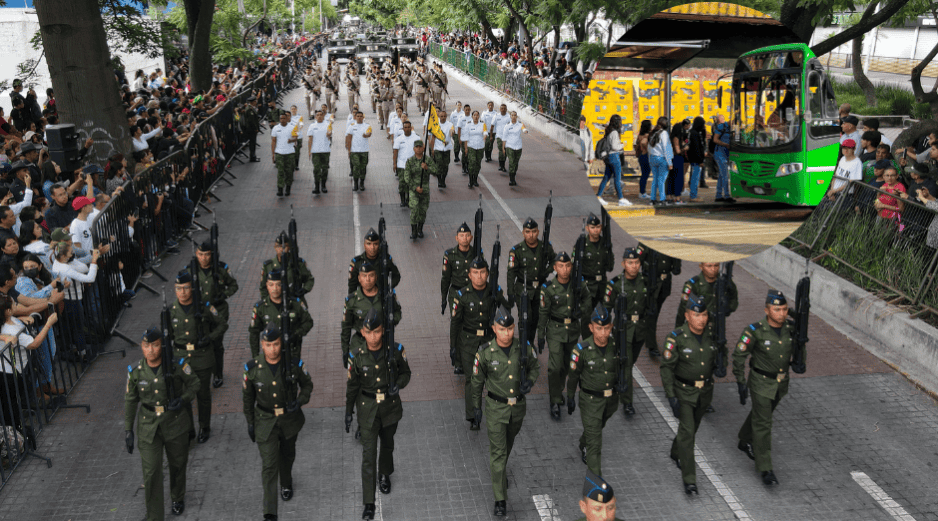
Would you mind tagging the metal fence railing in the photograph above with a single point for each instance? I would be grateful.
(550, 98)
(862, 238)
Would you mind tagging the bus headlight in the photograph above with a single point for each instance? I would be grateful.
(731, 167)
(788, 169)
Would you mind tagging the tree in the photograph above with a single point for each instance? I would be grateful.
(859, 75)
(199, 15)
(87, 95)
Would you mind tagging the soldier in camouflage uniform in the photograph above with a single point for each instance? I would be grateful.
(768, 378)
(597, 261)
(216, 288)
(268, 310)
(372, 246)
(358, 303)
(297, 287)
(637, 312)
(455, 276)
(195, 332)
(274, 416)
(559, 326)
(531, 260)
(379, 406)
(163, 424)
(660, 289)
(416, 176)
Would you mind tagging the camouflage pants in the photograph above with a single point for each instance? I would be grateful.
(489, 143)
(285, 166)
(359, 164)
(441, 158)
(474, 158)
(401, 182)
(419, 203)
(321, 166)
(501, 151)
(513, 157)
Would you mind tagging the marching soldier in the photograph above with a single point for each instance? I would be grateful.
(163, 424)
(638, 300)
(436, 87)
(559, 327)
(399, 89)
(768, 378)
(195, 332)
(421, 85)
(599, 501)
(594, 366)
(320, 147)
(357, 144)
(416, 176)
(372, 79)
(465, 118)
(498, 368)
(252, 125)
(687, 377)
(598, 259)
(487, 117)
(455, 276)
(328, 81)
(272, 396)
(509, 139)
(297, 121)
(217, 287)
(443, 82)
(311, 80)
(337, 81)
(403, 150)
(372, 245)
(387, 101)
(283, 153)
(305, 281)
(498, 122)
(473, 136)
(353, 84)
(472, 310)
(379, 406)
(529, 260)
(664, 268)
(359, 303)
(268, 310)
(441, 149)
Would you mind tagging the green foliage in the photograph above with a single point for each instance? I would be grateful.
(890, 100)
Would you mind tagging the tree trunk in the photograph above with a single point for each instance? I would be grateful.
(487, 28)
(556, 36)
(86, 90)
(859, 76)
(866, 24)
(509, 33)
(199, 14)
(921, 96)
(526, 36)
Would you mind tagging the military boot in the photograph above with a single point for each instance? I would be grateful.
(355, 185)
(413, 231)
(420, 230)
(403, 200)
(323, 187)
(316, 189)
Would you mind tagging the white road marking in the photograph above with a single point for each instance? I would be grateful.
(545, 507)
(891, 507)
(378, 515)
(501, 202)
(358, 225)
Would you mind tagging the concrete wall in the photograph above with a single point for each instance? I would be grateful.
(886, 331)
(18, 27)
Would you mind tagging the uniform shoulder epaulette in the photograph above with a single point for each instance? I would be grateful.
(692, 280)
(459, 292)
(130, 368)
(300, 363)
(400, 347)
(579, 346)
(499, 288)
(226, 266)
(351, 354)
(250, 364)
(259, 303)
(302, 260)
(676, 332)
(182, 361)
(268, 261)
(544, 285)
(753, 326)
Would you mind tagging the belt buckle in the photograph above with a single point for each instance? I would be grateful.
(635, 318)
(599, 277)
(512, 401)
(159, 409)
(379, 397)
(567, 321)
(607, 393)
(664, 276)
(190, 347)
(699, 384)
(278, 411)
(780, 377)
(480, 332)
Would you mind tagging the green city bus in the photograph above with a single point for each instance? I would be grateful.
(785, 132)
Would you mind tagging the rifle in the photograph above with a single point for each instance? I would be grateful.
(477, 239)
(169, 369)
(388, 297)
(439, 81)
(654, 281)
(545, 270)
(523, 334)
(286, 350)
(719, 325)
(293, 253)
(384, 282)
(196, 292)
(579, 251)
(622, 324)
(213, 240)
(800, 315)
(493, 268)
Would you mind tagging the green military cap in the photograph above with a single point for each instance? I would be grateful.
(596, 488)
(630, 253)
(59, 234)
(775, 298)
(464, 228)
(592, 219)
(372, 235)
(601, 315)
(183, 277)
(696, 303)
(275, 275)
(503, 317)
(530, 224)
(152, 334)
(367, 267)
(478, 263)
(270, 333)
(373, 320)
(205, 246)
(418, 143)
(562, 257)
(281, 239)
(252, 98)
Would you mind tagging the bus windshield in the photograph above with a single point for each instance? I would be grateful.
(766, 108)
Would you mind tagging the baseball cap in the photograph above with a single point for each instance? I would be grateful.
(59, 234)
(81, 202)
(849, 143)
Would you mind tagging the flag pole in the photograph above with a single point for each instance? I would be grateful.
(426, 137)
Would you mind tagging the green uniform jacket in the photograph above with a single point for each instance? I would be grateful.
(501, 376)
(356, 264)
(666, 267)
(185, 333)
(303, 286)
(369, 373)
(759, 339)
(266, 390)
(595, 370)
(252, 121)
(217, 293)
(356, 307)
(597, 261)
(536, 262)
(266, 311)
(148, 388)
(699, 286)
(455, 269)
(685, 358)
(556, 322)
(414, 176)
(472, 313)
(637, 300)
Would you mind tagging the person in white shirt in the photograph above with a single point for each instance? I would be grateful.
(473, 143)
(849, 127)
(511, 145)
(396, 124)
(488, 117)
(282, 152)
(441, 149)
(320, 146)
(586, 143)
(849, 168)
(500, 120)
(464, 119)
(456, 120)
(403, 150)
(139, 139)
(356, 143)
(80, 228)
(297, 121)
(350, 120)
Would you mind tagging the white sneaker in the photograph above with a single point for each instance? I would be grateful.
(686, 193)
(644, 196)
(602, 201)
(624, 202)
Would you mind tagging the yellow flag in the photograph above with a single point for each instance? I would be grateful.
(433, 124)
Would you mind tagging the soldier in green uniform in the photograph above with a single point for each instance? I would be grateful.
(687, 378)
(195, 332)
(531, 260)
(768, 378)
(164, 424)
(416, 176)
(274, 416)
(637, 299)
(359, 303)
(216, 288)
(379, 404)
(252, 125)
(599, 500)
(559, 327)
(472, 311)
(455, 276)
(665, 267)
(597, 261)
(297, 287)
(372, 245)
(594, 365)
(498, 368)
(268, 310)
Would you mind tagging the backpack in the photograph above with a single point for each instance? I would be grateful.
(603, 148)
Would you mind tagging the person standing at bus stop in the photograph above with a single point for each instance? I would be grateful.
(721, 155)
(660, 157)
(614, 160)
